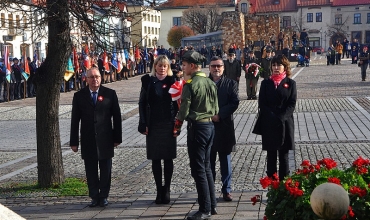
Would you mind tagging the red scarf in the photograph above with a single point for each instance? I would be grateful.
(276, 78)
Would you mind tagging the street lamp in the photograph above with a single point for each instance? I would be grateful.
(325, 40)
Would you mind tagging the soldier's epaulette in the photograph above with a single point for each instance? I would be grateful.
(189, 80)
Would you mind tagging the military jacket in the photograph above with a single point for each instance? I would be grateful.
(198, 98)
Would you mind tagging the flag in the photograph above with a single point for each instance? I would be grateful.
(176, 90)
(105, 61)
(6, 63)
(137, 53)
(119, 63)
(127, 55)
(85, 56)
(155, 53)
(26, 66)
(76, 64)
(123, 57)
(114, 59)
(26, 69)
(69, 70)
(145, 54)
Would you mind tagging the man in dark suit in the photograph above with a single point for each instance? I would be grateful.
(95, 106)
(224, 139)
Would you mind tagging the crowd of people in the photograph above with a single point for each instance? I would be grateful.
(207, 101)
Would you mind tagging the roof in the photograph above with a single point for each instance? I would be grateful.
(305, 3)
(190, 3)
(351, 2)
(263, 6)
(202, 36)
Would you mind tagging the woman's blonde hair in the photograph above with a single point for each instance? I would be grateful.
(162, 59)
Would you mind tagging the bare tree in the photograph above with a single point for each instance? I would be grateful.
(203, 19)
(58, 18)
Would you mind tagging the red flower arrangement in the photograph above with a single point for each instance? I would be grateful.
(253, 68)
(100, 98)
(291, 197)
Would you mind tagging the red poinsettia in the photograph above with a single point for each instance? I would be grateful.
(334, 180)
(255, 199)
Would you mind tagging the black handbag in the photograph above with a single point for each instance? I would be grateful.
(257, 129)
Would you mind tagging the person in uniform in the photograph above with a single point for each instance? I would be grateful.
(364, 62)
(198, 105)
(266, 65)
(251, 79)
(157, 117)
(98, 110)
(224, 140)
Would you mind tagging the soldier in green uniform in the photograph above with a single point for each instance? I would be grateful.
(198, 104)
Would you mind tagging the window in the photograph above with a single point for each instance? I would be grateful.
(338, 19)
(244, 7)
(159, 19)
(25, 23)
(367, 37)
(176, 21)
(155, 18)
(145, 30)
(309, 17)
(368, 18)
(2, 20)
(318, 17)
(144, 17)
(357, 18)
(18, 21)
(356, 35)
(10, 18)
(287, 21)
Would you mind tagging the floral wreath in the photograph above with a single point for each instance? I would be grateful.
(253, 68)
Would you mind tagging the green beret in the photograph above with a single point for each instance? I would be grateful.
(193, 57)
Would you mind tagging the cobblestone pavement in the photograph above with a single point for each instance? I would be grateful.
(332, 119)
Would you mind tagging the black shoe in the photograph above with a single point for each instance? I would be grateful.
(249, 98)
(94, 203)
(254, 97)
(158, 199)
(199, 216)
(165, 195)
(227, 197)
(214, 211)
(103, 202)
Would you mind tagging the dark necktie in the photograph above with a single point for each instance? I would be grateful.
(94, 97)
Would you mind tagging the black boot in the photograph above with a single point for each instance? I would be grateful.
(158, 199)
(166, 195)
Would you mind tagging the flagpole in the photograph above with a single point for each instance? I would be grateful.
(24, 79)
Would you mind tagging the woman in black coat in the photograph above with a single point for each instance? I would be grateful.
(277, 100)
(157, 117)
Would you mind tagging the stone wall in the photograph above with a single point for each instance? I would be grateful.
(240, 29)
(233, 29)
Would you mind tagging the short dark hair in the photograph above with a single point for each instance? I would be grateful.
(215, 58)
(282, 59)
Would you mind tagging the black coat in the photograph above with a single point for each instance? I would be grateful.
(228, 101)
(157, 111)
(98, 134)
(276, 112)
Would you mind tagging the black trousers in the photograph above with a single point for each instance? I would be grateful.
(98, 187)
(283, 163)
(200, 140)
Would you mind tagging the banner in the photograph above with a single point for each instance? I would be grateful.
(69, 70)
(85, 56)
(6, 63)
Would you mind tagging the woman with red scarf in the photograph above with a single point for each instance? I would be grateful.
(277, 100)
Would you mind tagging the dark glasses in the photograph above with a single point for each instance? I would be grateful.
(218, 66)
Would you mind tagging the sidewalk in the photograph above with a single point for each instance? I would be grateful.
(332, 119)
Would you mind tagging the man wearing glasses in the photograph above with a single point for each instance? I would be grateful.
(95, 106)
(224, 140)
